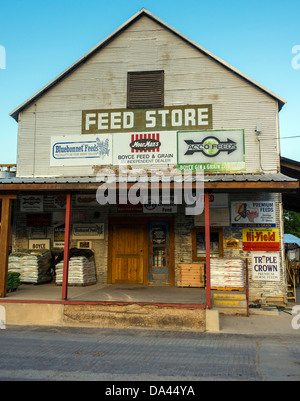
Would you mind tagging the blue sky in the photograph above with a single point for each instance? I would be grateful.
(42, 38)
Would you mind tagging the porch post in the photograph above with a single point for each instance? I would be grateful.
(207, 249)
(67, 245)
(4, 240)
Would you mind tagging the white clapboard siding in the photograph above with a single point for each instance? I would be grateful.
(191, 77)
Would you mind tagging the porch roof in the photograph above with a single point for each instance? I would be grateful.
(214, 182)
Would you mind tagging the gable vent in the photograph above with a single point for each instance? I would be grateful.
(145, 89)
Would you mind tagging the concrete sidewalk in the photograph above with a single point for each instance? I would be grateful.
(264, 323)
(270, 322)
(261, 322)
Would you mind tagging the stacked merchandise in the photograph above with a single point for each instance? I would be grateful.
(227, 273)
(15, 262)
(82, 269)
(31, 265)
(13, 281)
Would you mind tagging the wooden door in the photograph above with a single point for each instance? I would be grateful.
(128, 254)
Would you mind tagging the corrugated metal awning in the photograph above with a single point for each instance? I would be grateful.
(217, 182)
(291, 239)
(207, 178)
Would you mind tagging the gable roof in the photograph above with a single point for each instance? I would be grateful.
(108, 39)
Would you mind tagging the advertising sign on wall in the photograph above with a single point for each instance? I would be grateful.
(220, 150)
(39, 244)
(266, 240)
(58, 229)
(31, 203)
(232, 244)
(38, 232)
(218, 201)
(82, 151)
(88, 231)
(253, 214)
(147, 148)
(160, 207)
(130, 208)
(265, 267)
(38, 220)
(173, 118)
(217, 218)
(86, 200)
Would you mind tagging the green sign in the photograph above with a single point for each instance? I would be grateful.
(211, 150)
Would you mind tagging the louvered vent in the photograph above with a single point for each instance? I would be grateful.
(145, 89)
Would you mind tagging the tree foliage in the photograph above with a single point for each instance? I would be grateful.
(291, 223)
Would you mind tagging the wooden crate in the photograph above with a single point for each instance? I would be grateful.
(191, 275)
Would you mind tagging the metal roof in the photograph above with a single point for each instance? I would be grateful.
(108, 39)
(207, 178)
(249, 178)
(291, 239)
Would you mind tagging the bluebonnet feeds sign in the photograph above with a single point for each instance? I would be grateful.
(76, 150)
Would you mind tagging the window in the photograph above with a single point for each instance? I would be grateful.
(145, 89)
(198, 242)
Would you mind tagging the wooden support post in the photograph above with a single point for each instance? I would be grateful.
(207, 249)
(6, 208)
(67, 246)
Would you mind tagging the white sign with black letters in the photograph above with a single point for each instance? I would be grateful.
(265, 266)
(39, 244)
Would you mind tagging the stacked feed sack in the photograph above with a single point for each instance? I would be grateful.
(82, 269)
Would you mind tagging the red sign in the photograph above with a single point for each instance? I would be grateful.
(38, 220)
(129, 208)
(266, 240)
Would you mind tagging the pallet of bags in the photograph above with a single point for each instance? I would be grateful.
(35, 267)
(227, 273)
(32, 266)
(13, 281)
(15, 262)
(82, 269)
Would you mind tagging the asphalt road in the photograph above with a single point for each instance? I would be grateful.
(155, 357)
